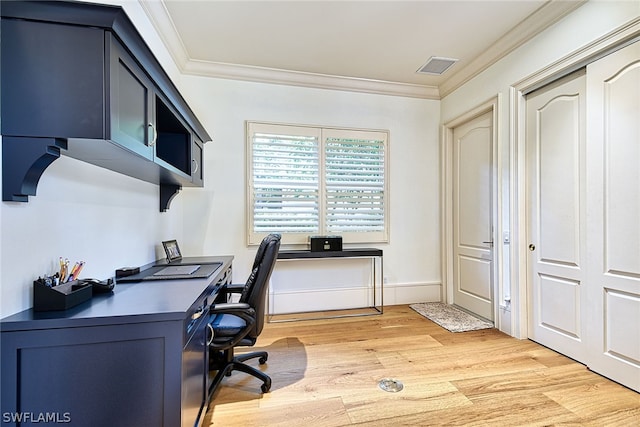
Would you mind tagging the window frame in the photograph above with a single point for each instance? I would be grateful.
(322, 132)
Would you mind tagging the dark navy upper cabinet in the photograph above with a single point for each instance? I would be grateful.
(77, 79)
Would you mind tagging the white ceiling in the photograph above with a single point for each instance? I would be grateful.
(371, 46)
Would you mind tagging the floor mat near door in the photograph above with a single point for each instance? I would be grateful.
(450, 317)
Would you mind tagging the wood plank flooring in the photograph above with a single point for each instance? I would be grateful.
(326, 373)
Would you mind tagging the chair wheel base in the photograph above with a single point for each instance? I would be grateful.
(226, 362)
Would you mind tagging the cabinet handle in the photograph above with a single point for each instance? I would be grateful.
(198, 313)
(155, 135)
(194, 169)
(210, 339)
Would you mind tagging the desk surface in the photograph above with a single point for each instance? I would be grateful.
(345, 253)
(130, 302)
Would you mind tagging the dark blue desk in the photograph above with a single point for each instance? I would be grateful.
(134, 357)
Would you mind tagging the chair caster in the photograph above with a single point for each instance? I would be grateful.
(266, 386)
(262, 360)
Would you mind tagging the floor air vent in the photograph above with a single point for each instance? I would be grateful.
(390, 385)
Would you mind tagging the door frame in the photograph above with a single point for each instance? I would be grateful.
(519, 221)
(448, 246)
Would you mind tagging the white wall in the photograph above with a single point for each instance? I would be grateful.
(215, 217)
(589, 22)
(83, 212)
(110, 220)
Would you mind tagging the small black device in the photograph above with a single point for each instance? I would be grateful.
(127, 271)
(325, 243)
(100, 286)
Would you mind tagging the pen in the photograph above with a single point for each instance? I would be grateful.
(73, 272)
(63, 270)
(79, 269)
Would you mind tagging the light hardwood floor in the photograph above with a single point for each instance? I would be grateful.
(326, 373)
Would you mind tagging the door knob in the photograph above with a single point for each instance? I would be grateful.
(532, 247)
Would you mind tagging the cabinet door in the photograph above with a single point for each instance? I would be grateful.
(130, 102)
(113, 375)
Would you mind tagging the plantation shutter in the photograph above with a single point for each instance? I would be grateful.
(284, 180)
(306, 180)
(354, 181)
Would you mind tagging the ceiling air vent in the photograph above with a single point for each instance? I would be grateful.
(437, 65)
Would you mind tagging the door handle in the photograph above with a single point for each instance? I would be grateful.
(532, 247)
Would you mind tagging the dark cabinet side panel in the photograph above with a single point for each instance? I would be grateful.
(109, 384)
(197, 171)
(124, 375)
(52, 80)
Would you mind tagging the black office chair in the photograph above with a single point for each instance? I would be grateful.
(239, 323)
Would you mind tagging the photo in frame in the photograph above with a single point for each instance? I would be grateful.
(172, 250)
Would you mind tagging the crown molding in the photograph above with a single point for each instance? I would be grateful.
(541, 19)
(311, 80)
(545, 16)
(599, 48)
(164, 26)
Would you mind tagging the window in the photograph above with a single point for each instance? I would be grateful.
(306, 180)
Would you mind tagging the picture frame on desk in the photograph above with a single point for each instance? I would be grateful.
(172, 250)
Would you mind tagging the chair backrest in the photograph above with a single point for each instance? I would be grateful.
(255, 289)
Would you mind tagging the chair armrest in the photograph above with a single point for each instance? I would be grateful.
(234, 288)
(228, 289)
(235, 308)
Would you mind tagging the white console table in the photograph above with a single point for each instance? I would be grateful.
(375, 286)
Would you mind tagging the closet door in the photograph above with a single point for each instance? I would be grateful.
(613, 182)
(555, 143)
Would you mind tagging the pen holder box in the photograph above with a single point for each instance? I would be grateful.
(59, 297)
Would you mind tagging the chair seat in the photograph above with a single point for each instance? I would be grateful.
(226, 325)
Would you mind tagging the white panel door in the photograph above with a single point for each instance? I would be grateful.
(555, 142)
(472, 216)
(613, 182)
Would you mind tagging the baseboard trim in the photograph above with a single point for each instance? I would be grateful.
(306, 300)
